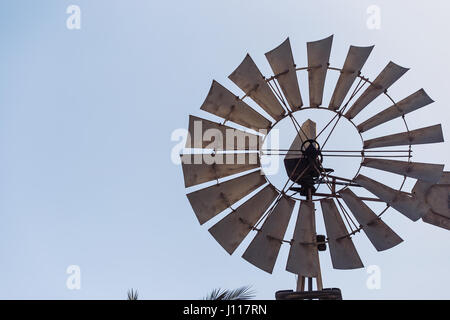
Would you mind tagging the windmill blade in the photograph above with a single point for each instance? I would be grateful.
(303, 256)
(231, 230)
(205, 134)
(282, 63)
(248, 77)
(308, 131)
(432, 134)
(413, 102)
(196, 170)
(423, 171)
(356, 57)
(264, 248)
(318, 60)
(391, 73)
(210, 201)
(223, 103)
(378, 232)
(342, 250)
(407, 205)
(437, 197)
(436, 220)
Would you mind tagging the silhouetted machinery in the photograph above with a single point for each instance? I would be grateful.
(267, 210)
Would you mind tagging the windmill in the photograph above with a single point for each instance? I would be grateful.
(267, 209)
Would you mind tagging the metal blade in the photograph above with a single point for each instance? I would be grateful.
(401, 201)
(432, 134)
(223, 103)
(205, 134)
(356, 57)
(248, 77)
(391, 73)
(342, 250)
(308, 128)
(196, 170)
(264, 248)
(231, 230)
(437, 197)
(417, 170)
(436, 220)
(210, 201)
(282, 64)
(303, 256)
(378, 232)
(413, 102)
(318, 59)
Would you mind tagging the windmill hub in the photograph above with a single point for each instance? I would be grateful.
(303, 162)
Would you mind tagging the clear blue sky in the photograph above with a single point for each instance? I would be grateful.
(85, 122)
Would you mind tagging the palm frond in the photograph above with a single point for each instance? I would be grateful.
(132, 294)
(242, 293)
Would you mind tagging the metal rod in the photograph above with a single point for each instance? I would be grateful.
(355, 151)
(338, 196)
(341, 155)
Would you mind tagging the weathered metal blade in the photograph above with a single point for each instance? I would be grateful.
(205, 134)
(378, 232)
(437, 220)
(318, 59)
(342, 250)
(391, 73)
(303, 256)
(231, 230)
(356, 57)
(196, 168)
(308, 131)
(223, 103)
(407, 205)
(423, 171)
(264, 248)
(413, 102)
(248, 77)
(437, 197)
(282, 63)
(432, 134)
(210, 201)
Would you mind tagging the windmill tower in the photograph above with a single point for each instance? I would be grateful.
(230, 169)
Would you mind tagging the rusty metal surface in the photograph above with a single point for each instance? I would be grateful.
(424, 171)
(356, 57)
(210, 201)
(202, 134)
(391, 73)
(380, 235)
(196, 170)
(223, 103)
(248, 77)
(231, 230)
(413, 102)
(303, 256)
(282, 63)
(432, 134)
(264, 248)
(342, 250)
(437, 197)
(318, 59)
(407, 205)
